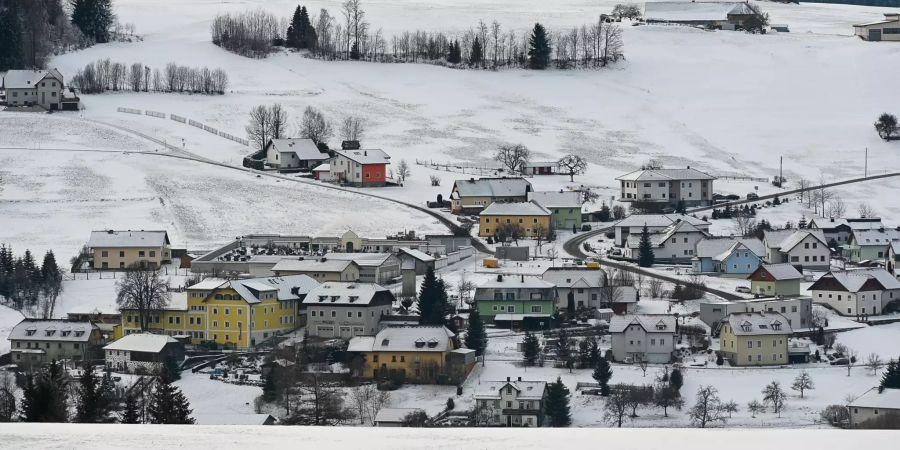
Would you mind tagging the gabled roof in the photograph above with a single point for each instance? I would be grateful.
(527, 390)
(52, 330)
(362, 259)
(569, 277)
(515, 209)
(366, 156)
(305, 149)
(123, 239)
(141, 342)
(418, 338)
(854, 280)
(346, 293)
(324, 264)
(26, 79)
(778, 272)
(651, 323)
(757, 323)
(666, 175)
(717, 247)
(887, 399)
(693, 11)
(556, 199)
(492, 187)
(516, 282)
(785, 240)
(657, 239)
(416, 254)
(658, 220)
(854, 223)
(291, 287)
(875, 238)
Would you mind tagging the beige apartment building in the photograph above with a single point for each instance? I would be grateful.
(123, 249)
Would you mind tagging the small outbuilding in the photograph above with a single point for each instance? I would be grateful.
(887, 29)
(142, 352)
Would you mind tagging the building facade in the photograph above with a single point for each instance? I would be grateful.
(345, 310)
(564, 206)
(655, 223)
(667, 186)
(111, 249)
(755, 339)
(728, 256)
(643, 337)
(44, 88)
(472, 196)
(320, 269)
(294, 154)
(887, 29)
(417, 354)
(796, 310)
(775, 280)
(510, 403)
(856, 292)
(35, 342)
(143, 353)
(364, 168)
(516, 301)
(531, 218)
(805, 248)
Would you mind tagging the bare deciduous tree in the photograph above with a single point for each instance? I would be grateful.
(143, 291)
(572, 165)
(655, 288)
(708, 408)
(743, 224)
(403, 171)
(352, 128)
(313, 125)
(513, 157)
(873, 363)
(836, 208)
(866, 210)
(775, 396)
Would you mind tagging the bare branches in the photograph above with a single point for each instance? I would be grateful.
(572, 165)
(313, 125)
(513, 157)
(352, 128)
(142, 291)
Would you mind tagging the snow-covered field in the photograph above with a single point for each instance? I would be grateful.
(8, 319)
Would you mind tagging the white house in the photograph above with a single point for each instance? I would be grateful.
(676, 243)
(142, 352)
(511, 403)
(42, 88)
(360, 167)
(583, 285)
(856, 292)
(655, 223)
(840, 230)
(874, 405)
(294, 154)
(345, 309)
(643, 337)
(667, 186)
(806, 248)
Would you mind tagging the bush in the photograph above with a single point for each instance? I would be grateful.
(836, 415)
(719, 359)
(450, 404)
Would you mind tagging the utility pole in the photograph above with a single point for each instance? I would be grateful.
(866, 169)
(780, 170)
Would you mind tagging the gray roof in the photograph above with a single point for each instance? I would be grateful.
(117, 239)
(343, 293)
(758, 323)
(52, 330)
(417, 338)
(556, 199)
(515, 209)
(324, 264)
(660, 237)
(492, 187)
(289, 287)
(575, 277)
(850, 222)
(666, 175)
(416, 254)
(887, 399)
(141, 342)
(362, 259)
(528, 390)
(305, 149)
(651, 323)
(26, 79)
(516, 282)
(714, 247)
(366, 156)
(783, 271)
(875, 238)
(693, 11)
(785, 240)
(659, 220)
(854, 279)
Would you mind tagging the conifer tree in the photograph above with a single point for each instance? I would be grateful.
(131, 412)
(292, 40)
(168, 405)
(93, 18)
(433, 300)
(10, 35)
(676, 380)
(477, 53)
(88, 408)
(532, 348)
(645, 249)
(170, 366)
(45, 396)
(890, 379)
(305, 33)
(538, 48)
(476, 338)
(602, 374)
(557, 404)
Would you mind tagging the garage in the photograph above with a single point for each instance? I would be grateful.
(887, 29)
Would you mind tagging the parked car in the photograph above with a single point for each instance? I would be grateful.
(585, 227)
(752, 196)
(840, 362)
(742, 289)
(732, 197)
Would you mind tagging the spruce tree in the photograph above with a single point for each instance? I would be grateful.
(10, 35)
(557, 404)
(88, 408)
(602, 374)
(455, 55)
(890, 379)
(168, 405)
(538, 48)
(676, 380)
(93, 18)
(532, 348)
(645, 249)
(433, 300)
(131, 412)
(477, 53)
(292, 40)
(303, 29)
(45, 396)
(270, 390)
(170, 366)
(476, 338)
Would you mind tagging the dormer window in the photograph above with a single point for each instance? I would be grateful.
(432, 343)
(335, 298)
(322, 298)
(50, 332)
(30, 331)
(354, 298)
(420, 343)
(661, 325)
(79, 333)
(385, 342)
(776, 325)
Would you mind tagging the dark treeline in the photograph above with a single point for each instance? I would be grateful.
(105, 75)
(27, 286)
(349, 36)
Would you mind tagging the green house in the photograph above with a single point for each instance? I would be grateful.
(565, 207)
(775, 279)
(517, 302)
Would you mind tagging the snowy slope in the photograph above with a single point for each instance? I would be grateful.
(8, 319)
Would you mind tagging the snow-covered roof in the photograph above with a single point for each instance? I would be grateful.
(888, 18)
(575, 277)
(693, 11)
(716, 247)
(660, 237)
(344, 293)
(651, 323)
(362, 259)
(659, 220)
(232, 419)
(141, 342)
(305, 149)
(416, 338)
(288, 287)
(666, 175)
(367, 156)
(128, 238)
(515, 209)
(323, 264)
(853, 223)
(887, 399)
(25, 79)
(780, 272)
(556, 199)
(875, 238)
(516, 282)
(492, 187)
(322, 168)
(52, 330)
(758, 323)
(527, 390)
(785, 240)
(416, 254)
(854, 279)
(394, 415)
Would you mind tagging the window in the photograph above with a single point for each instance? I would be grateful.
(141, 253)
(537, 309)
(104, 253)
(121, 254)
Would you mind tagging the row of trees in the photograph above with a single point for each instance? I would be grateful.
(251, 33)
(273, 122)
(105, 75)
(28, 287)
(32, 30)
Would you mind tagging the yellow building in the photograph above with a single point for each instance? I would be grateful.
(123, 249)
(532, 218)
(755, 339)
(419, 354)
(235, 313)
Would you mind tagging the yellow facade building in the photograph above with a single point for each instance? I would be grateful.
(418, 354)
(112, 249)
(533, 219)
(755, 339)
(231, 313)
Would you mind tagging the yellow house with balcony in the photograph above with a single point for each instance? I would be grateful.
(532, 218)
(755, 339)
(418, 354)
(231, 313)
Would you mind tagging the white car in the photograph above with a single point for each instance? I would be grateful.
(742, 289)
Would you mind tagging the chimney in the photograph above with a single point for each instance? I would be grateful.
(365, 153)
(499, 277)
(507, 379)
(688, 167)
(520, 378)
(523, 278)
(832, 219)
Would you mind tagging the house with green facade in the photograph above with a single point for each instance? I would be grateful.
(565, 207)
(775, 280)
(517, 301)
